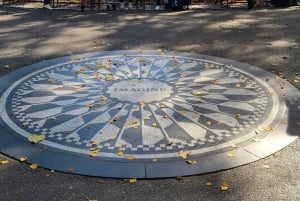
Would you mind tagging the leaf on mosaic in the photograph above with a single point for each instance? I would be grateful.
(52, 118)
(237, 85)
(94, 153)
(256, 140)
(154, 159)
(237, 115)
(120, 153)
(208, 183)
(4, 162)
(104, 98)
(162, 105)
(132, 122)
(182, 154)
(132, 180)
(268, 128)
(266, 166)
(33, 166)
(23, 159)
(135, 127)
(130, 157)
(51, 80)
(230, 155)
(270, 93)
(142, 103)
(154, 124)
(24, 124)
(89, 105)
(95, 143)
(147, 118)
(35, 138)
(224, 186)
(191, 162)
(165, 116)
(196, 92)
(182, 112)
(209, 123)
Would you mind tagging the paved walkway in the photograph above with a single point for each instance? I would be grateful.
(216, 33)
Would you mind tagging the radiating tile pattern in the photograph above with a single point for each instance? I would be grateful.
(142, 104)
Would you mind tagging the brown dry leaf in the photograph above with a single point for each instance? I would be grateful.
(230, 155)
(237, 115)
(224, 186)
(191, 162)
(4, 162)
(180, 178)
(132, 122)
(35, 138)
(33, 166)
(182, 154)
(296, 81)
(23, 158)
(162, 105)
(51, 80)
(165, 116)
(208, 183)
(130, 157)
(238, 85)
(207, 65)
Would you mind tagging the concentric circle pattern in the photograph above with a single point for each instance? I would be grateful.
(146, 109)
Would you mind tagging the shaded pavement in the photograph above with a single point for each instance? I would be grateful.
(267, 38)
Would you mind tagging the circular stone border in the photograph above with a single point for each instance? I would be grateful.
(283, 132)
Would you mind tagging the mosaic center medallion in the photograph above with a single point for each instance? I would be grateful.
(148, 107)
(137, 90)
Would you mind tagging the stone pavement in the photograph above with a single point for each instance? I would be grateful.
(218, 33)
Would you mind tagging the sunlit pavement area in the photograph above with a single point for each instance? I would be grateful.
(264, 38)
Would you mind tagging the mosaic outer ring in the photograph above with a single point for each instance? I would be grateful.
(207, 159)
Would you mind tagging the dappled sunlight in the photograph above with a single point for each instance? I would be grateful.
(234, 23)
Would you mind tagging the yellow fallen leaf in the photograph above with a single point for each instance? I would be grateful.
(208, 183)
(92, 200)
(237, 85)
(154, 124)
(23, 159)
(147, 118)
(33, 166)
(182, 154)
(191, 162)
(256, 140)
(154, 159)
(35, 138)
(51, 80)
(237, 115)
(230, 155)
(130, 157)
(268, 128)
(182, 112)
(196, 92)
(128, 123)
(224, 186)
(94, 143)
(89, 105)
(207, 65)
(162, 105)
(233, 146)
(208, 123)
(4, 162)
(94, 153)
(24, 124)
(142, 103)
(296, 81)
(120, 153)
(165, 116)
(132, 180)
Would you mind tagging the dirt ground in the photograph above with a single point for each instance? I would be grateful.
(267, 38)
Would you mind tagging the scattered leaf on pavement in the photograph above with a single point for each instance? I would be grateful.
(23, 158)
(208, 183)
(130, 157)
(4, 162)
(33, 166)
(191, 162)
(132, 180)
(224, 186)
(230, 155)
(120, 153)
(268, 128)
(35, 138)
(182, 154)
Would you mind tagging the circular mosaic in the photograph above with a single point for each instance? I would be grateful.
(140, 108)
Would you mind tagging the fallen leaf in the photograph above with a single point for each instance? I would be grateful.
(154, 159)
(208, 123)
(208, 183)
(237, 115)
(142, 103)
(238, 85)
(268, 128)
(182, 112)
(230, 155)
(180, 178)
(256, 140)
(89, 105)
(51, 80)
(191, 162)
(4, 162)
(224, 186)
(196, 92)
(132, 180)
(182, 154)
(23, 159)
(94, 143)
(162, 105)
(24, 124)
(35, 138)
(165, 116)
(120, 153)
(233, 146)
(33, 166)
(154, 124)
(130, 157)
(147, 118)
(128, 123)
(266, 166)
